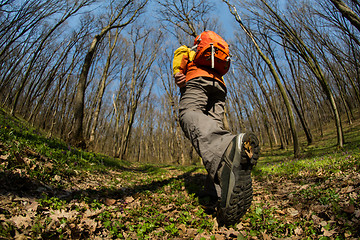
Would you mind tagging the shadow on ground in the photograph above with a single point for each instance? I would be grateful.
(17, 184)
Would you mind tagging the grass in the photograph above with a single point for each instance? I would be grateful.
(20, 138)
(51, 190)
(323, 173)
(323, 155)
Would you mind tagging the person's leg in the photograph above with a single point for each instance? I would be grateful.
(227, 158)
(201, 114)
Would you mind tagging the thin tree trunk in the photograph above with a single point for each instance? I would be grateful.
(347, 13)
(302, 119)
(49, 81)
(77, 136)
(102, 88)
(276, 78)
(290, 36)
(35, 56)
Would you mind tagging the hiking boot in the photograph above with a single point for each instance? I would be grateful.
(234, 175)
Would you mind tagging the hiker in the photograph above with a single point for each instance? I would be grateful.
(228, 158)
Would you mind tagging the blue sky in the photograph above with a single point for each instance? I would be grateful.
(222, 12)
(225, 17)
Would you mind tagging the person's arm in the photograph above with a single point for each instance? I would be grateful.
(180, 79)
(181, 58)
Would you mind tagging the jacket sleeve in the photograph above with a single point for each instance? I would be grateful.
(181, 59)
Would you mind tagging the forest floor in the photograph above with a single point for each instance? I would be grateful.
(49, 190)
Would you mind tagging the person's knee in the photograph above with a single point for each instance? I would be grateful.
(187, 120)
(199, 124)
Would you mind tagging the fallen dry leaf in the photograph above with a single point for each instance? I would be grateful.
(265, 236)
(20, 236)
(32, 206)
(298, 231)
(350, 189)
(293, 212)
(58, 214)
(49, 165)
(129, 199)
(168, 207)
(231, 233)
(219, 237)
(349, 209)
(281, 212)
(110, 201)
(27, 161)
(323, 223)
(4, 157)
(357, 213)
(327, 233)
(191, 232)
(91, 224)
(57, 178)
(21, 221)
(91, 213)
(182, 227)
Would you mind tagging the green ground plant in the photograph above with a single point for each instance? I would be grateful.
(52, 190)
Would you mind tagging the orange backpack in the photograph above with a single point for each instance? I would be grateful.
(212, 51)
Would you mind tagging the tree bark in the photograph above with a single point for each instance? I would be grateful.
(77, 134)
(289, 35)
(37, 52)
(347, 13)
(276, 78)
(102, 88)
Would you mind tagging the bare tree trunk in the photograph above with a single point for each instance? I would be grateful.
(66, 102)
(142, 61)
(347, 13)
(289, 35)
(49, 81)
(77, 136)
(57, 93)
(102, 88)
(277, 80)
(262, 112)
(37, 52)
(238, 105)
(12, 72)
(302, 119)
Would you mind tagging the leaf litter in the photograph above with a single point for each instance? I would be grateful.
(161, 202)
(88, 204)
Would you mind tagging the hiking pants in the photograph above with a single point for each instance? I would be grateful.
(201, 116)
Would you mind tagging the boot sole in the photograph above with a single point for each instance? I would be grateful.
(236, 196)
